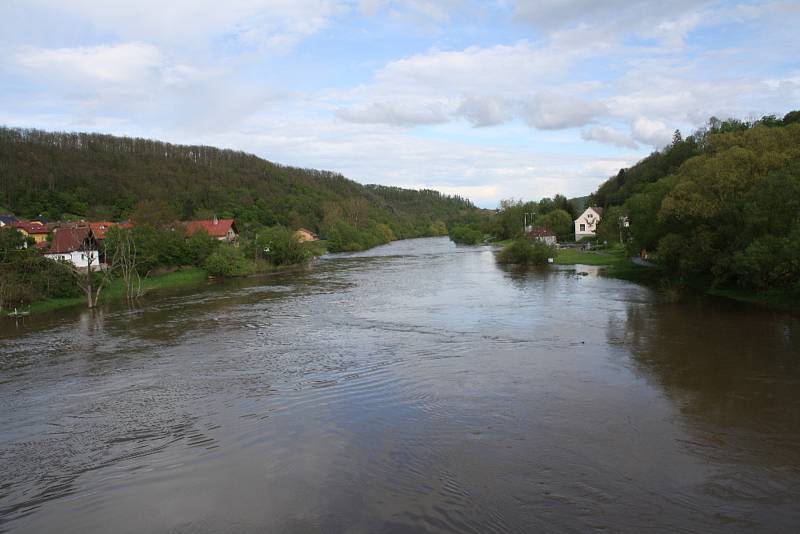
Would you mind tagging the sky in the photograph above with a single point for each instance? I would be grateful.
(489, 99)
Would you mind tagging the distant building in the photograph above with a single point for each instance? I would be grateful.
(76, 245)
(304, 234)
(34, 229)
(7, 220)
(221, 229)
(586, 223)
(100, 228)
(542, 234)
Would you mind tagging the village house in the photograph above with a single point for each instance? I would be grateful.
(76, 245)
(36, 230)
(221, 229)
(304, 234)
(543, 235)
(100, 228)
(586, 223)
(7, 220)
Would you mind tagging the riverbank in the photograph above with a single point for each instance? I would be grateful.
(619, 265)
(115, 291)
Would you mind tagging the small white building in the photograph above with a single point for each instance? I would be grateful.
(586, 223)
(75, 245)
(543, 235)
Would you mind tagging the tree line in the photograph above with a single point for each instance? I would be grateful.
(508, 221)
(71, 176)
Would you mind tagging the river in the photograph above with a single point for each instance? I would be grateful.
(416, 387)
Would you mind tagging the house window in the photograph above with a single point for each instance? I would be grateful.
(583, 228)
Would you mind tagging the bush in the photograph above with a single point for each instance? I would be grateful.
(279, 246)
(227, 261)
(523, 252)
(199, 247)
(26, 276)
(466, 235)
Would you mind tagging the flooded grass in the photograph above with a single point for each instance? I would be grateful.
(115, 291)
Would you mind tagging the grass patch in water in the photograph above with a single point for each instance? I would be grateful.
(616, 261)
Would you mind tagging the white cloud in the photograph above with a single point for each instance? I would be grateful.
(485, 111)
(549, 111)
(372, 7)
(395, 114)
(264, 25)
(500, 69)
(654, 133)
(124, 63)
(669, 22)
(608, 135)
(500, 82)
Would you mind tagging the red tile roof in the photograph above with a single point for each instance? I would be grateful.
(541, 231)
(214, 228)
(31, 227)
(66, 240)
(100, 228)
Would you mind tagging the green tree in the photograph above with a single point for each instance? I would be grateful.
(466, 235)
(438, 228)
(155, 213)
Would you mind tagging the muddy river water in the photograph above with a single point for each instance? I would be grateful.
(416, 387)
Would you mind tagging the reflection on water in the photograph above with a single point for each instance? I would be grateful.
(414, 387)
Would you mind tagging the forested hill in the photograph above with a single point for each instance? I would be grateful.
(107, 177)
(719, 208)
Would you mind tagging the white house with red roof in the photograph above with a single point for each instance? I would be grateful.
(76, 245)
(221, 229)
(586, 223)
(543, 234)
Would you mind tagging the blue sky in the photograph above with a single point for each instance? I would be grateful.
(490, 100)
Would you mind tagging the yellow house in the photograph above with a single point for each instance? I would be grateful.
(38, 231)
(303, 235)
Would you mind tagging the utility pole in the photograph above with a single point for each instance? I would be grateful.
(528, 215)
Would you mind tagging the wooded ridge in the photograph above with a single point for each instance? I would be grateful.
(104, 177)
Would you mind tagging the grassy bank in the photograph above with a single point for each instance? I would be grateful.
(317, 248)
(620, 266)
(115, 291)
(616, 261)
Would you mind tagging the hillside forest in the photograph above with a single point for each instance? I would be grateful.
(156, 185)
(718, 209)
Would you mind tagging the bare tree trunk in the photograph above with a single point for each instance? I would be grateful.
(89, 281)
(84, 281)
(124, 259)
